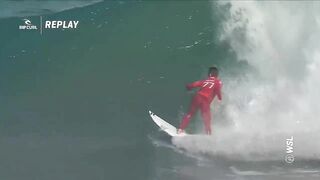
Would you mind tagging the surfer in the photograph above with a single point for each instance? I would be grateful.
(209, 88)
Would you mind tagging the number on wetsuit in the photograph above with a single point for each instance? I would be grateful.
(208, 83)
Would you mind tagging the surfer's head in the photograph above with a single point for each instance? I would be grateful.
(213, 71)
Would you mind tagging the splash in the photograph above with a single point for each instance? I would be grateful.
(281, 42)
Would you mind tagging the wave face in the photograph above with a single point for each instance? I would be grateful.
(74, 104)
(278, 97)
(33, 8)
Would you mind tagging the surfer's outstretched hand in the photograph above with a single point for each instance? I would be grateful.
(188, 87)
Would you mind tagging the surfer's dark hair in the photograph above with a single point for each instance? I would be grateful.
(213, 71)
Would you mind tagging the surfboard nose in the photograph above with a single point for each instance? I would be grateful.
(151, 113)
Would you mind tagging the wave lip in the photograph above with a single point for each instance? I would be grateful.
(34, 8)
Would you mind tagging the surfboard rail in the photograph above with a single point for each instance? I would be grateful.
(164, 125)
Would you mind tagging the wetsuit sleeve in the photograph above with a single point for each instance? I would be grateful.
(195, 84)
(219, 90)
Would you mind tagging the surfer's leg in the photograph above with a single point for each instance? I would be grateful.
(206, 116)
(193, 109)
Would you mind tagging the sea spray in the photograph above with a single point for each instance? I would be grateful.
(280, 41)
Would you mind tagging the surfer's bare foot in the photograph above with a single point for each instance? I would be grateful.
(180, 131)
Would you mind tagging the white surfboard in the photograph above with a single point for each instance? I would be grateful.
(165, 126)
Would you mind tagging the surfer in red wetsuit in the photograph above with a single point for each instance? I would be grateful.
(209, 88)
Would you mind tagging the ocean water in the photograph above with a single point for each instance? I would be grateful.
(74, 103)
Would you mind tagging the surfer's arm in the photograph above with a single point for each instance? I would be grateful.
(219, 91)
(194, 85)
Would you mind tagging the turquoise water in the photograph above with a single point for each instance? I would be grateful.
(74, 102)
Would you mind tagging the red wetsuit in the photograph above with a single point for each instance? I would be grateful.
(209, 88)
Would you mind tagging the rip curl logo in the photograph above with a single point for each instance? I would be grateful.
(27, 22)
(27, 25)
